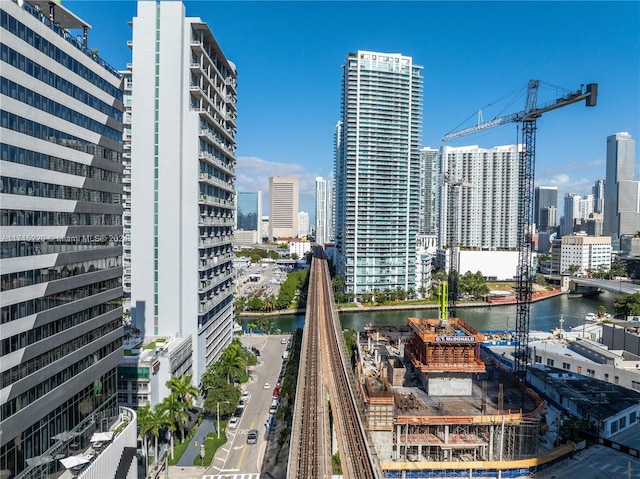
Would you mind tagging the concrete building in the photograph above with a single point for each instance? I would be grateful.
(61, 246)
(589, 253)
(545, 198)
(483, 191)
(621, 196)
(283, 207)
(377, 172)
(147, 366)
(248, 218)
(265, 227)
(300, 248)
(303, 224)
(430, 184)
(324, 211)
(183, 111)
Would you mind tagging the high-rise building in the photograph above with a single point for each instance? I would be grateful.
(576, 209)
(283, 207)
(545, 197)
(303, 224)
(377, 172)
(324, 211)
(598, 196)
(430, 184)
(249, 218)
(61, 247)
(621, 195)
(183, 110)
(486, 206)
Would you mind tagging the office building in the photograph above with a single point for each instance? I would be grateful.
(545, 197)
(481, 196)
(377, 172)
(183, 110)
(576, 209)
(283, 207)
(248, 217)
(598, 196)
(61, 250)
(430, 184)
(621, 196)
(324, 211)
(585, 253)
(303, 224)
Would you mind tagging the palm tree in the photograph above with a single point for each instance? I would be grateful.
(183, 389)
(270, 303)
(232, 362)
(177, 415)
(144, 423)
(151, 421)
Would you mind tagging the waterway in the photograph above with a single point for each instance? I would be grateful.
(544, 315)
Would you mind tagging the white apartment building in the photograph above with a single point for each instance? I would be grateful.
(300, 248)
(324, 211)
(589, 253)
(183, 127)
(377, 172)
(303, 224)
(480, 195)
(283, 207)
(61, 251)
(430, 185)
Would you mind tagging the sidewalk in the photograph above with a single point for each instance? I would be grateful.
(193, 450)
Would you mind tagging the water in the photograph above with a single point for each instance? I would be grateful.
(544, 315)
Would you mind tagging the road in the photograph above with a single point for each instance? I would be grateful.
(236, 457)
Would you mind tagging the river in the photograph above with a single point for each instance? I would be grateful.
(545, 315)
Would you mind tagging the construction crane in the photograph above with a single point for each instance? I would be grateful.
(455, 186)
(524, 282)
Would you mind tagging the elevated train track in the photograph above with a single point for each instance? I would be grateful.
(323, 385)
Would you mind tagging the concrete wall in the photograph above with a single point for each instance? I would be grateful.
(499, 264)
(449, 386)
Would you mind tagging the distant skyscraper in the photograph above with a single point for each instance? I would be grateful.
(377, 172)
(61, 263)
(576, 208)
(303, 224)
(183, 110)
(249, 218)
(620, 190)
(283, 207)
(487, 202)
(545, 197)
(598, 196)
(323, 210)
(430, 184)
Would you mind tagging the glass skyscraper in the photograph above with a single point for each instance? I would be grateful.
(377, 172)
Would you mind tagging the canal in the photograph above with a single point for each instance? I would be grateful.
(545, 315)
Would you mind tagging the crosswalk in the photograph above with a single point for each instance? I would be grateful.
(233, 476)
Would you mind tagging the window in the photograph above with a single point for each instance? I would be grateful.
(549, 362)
(616, 379)
(566, 366)
(635, 385)
(606, 377)
(538, 359)
(591, 373)
(623, 422)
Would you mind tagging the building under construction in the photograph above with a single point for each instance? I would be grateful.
(434, 405)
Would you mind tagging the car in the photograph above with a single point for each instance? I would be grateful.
(252, 437)
(275, 402)
(273, 409)
(245, 396)
(233, 423)
(267, 385)
(238, 412)
(283, 341)
(242, 403)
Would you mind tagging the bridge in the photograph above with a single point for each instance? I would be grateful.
(614, 286)
(325, 405)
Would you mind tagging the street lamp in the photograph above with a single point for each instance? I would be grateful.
(218, 415)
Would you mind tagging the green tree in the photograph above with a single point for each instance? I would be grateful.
(232, 363)
(182, 388)
(178, 415)
(628, 305)
(294, 256)
(367, 297)
(270, 303)
(618, 269)
(254, 304)
(601, 311)
(423, 291)
(153, 421)
(573, 269)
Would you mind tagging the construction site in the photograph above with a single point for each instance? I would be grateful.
(434, 404)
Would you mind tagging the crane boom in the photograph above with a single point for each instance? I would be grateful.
(531, 111)
(526, 168)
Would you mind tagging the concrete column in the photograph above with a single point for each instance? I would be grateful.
(491, 428)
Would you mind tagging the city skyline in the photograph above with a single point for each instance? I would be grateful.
(293, 86)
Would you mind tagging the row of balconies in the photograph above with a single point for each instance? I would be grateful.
(213, 222)
(209, 242)
(207, 178)
(208, 304)
(205, 155)
(214, 139)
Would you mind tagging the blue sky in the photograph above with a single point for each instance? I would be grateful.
(289, 57)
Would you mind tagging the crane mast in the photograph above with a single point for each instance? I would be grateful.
(524, 281)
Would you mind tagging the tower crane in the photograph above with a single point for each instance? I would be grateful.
(455, 186)
(527, 117)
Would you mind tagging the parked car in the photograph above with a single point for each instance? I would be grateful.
(245, 396)
(283, 341)
(267, 385)
(252, 437)
(233, 423)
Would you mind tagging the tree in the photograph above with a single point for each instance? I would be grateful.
(294, 256)
(423, 291)
(232, 363)
(628, 305)
(151, 421)
(183, 389)
(573, 269)
(270, 303)
(177, 415)
(601, 311)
